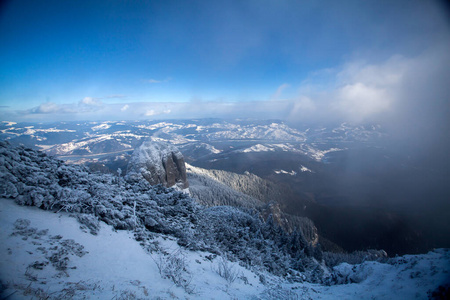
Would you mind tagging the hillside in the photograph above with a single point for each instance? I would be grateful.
(34, 179)
(217, 187)
(47, 255)
(166, 245)
(247, 183)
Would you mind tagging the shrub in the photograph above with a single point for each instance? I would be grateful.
(226, 270)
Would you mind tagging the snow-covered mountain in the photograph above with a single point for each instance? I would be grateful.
(217, 187)
(48, 256)
(69, 233)
(94, 138)
(343, 167)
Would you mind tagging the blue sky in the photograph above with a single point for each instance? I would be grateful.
(305, 60)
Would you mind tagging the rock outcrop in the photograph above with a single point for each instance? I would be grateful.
(159, 163)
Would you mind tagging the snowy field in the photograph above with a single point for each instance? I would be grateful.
(46, 255)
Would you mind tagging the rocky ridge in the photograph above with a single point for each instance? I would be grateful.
(159, 163)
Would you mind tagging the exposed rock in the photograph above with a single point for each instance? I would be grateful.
(159, 163)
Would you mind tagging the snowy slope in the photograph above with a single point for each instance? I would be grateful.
(113, 265)
(406, 277)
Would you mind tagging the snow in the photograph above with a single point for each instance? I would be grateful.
(54, 130)
(292, 172)
(32, 131)
(257, 148)
(175, 139)
(44, 147)
(317, 154)
(68, 148)
(275, 131)
(210, 148)
(113, 265)
(157, 126)
(286, 147)
(71, 146)
(113, 269)
(270, 136)
(149, 161)
(7, 131)
(103, 126)
(407, 277)
(9, 123)
(214, 150)
(305, 169)
(152, 152)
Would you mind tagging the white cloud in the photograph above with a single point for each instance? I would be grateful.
(48, 107)
(90, 101)
(280, 90)
(158, 81)
(161, 111)
(387, 73)
(358, 101)
(85, 105)
(302, 108)
(355, 92)
(125, 107)
(51, 108)
(366, 91)
(150, 112)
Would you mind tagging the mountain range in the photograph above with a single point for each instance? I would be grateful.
(336, 174)
(168, 245)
